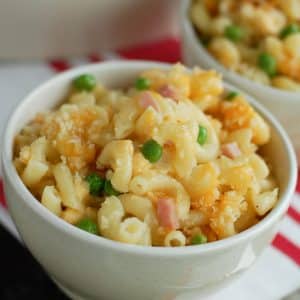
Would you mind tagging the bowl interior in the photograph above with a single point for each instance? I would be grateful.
(121, 74)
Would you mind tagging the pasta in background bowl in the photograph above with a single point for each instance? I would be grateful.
(283, 103)
(139, 185)
(257, 39)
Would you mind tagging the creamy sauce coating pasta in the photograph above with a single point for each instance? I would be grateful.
(172, 160)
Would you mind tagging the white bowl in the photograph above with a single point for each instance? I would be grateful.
(283, 104)
(91, 267)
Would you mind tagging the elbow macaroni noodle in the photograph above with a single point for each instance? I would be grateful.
(236, 33)
(214, 185)
(118, 155)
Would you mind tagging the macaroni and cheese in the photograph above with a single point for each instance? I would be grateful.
(172, 160)
(258, 39)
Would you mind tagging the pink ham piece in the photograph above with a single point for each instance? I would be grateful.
(231, 150)
(169, 144)
(168, 91)
(166, 213)
(146, 100)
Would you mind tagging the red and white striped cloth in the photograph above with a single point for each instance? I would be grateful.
(277, 272)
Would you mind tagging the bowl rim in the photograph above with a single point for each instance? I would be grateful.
(33, 204)
(234, 77)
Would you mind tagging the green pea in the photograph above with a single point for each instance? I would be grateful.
(85, 82)
(267, 63)
(202, 135)
(88, 225)
(142, 83)
(231, 95)
(198, 239)
(234, 33)
(289, 29)
(152, 151)
(109, 190)
(96, 184)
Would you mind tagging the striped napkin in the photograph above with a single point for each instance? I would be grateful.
(276, 273)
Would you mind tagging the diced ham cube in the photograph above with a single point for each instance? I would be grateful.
(169, 146)
(168, 91)
(146, 100)
(166, 213)
(231, 150)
